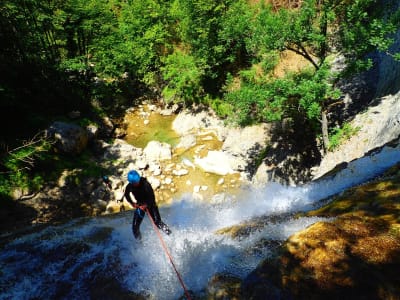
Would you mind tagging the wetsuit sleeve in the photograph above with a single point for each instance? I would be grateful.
(127, 195)
(151, 202)
(150, 197)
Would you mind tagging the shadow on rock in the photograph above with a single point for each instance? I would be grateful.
(15, 215)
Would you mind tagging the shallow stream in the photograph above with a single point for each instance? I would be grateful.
(145, 125)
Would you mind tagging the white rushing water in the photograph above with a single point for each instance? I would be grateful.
(64, 262)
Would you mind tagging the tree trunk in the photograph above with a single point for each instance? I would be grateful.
(325, 135)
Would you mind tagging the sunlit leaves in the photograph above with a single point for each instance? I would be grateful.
(183, 78)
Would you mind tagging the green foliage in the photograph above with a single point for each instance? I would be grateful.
(222, 108)
(19, 163)
(247, 103)
(214, 32)
(62, 55)
(5, 187)
(83, 165)
(199, 24)
(353, 28)
(84, 122)
(340, 134)
(28, 167)
(297, 95)
(235, 29)
(302, 31)
(141, 38)
(183, 78)
(365, 26)
(24, 156)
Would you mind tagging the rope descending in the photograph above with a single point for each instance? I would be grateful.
(168, 255)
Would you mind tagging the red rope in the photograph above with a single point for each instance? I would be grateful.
(168, 254)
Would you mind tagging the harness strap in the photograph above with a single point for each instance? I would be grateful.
(140, 212)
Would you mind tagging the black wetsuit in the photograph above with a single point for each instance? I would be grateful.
(144, 195)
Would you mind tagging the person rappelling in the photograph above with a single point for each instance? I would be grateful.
(143, 193)
(146, 202)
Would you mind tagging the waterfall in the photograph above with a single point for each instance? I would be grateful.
(72, 260)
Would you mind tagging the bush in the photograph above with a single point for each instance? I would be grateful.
(18, 164)
(340, 134)
(183, 78)
(221, 108)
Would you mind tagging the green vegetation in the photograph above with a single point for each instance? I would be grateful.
(58, 56)
(340, 134)
(33, 163)
(19, 162)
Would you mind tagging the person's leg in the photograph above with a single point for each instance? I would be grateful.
(164, 227)
(137, 220)
(155, 214)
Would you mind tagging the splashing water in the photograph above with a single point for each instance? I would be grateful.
(65, 262)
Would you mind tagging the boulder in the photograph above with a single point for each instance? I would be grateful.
(224, 286)
(187, 141)
(122, 150)
(92, 131)
(155, 151)
(246, 141)
(188, 123)
(216, 162)
(69, 138)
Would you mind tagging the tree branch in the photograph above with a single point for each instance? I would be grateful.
(303, 52)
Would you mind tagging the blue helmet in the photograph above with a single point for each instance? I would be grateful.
(133, 176)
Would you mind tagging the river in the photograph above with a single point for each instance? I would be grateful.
(76, 259)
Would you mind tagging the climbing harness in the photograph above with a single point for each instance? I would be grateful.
(140, 213)
(168, 255)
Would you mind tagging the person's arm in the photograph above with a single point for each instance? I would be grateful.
(151, 202)
(128, 196)
(150, 197)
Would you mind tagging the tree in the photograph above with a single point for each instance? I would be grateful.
(142, 39)
(85, 30)
(315, 31)
(212, 32)
(183, 78)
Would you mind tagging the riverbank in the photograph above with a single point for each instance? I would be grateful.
(205, 159)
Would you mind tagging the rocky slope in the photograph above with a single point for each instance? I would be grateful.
(355, 256)
(378, 125)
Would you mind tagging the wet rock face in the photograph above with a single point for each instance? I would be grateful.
(357, 256)
(340, 259)
(223, 286)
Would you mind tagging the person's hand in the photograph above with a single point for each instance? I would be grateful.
(143, 207)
